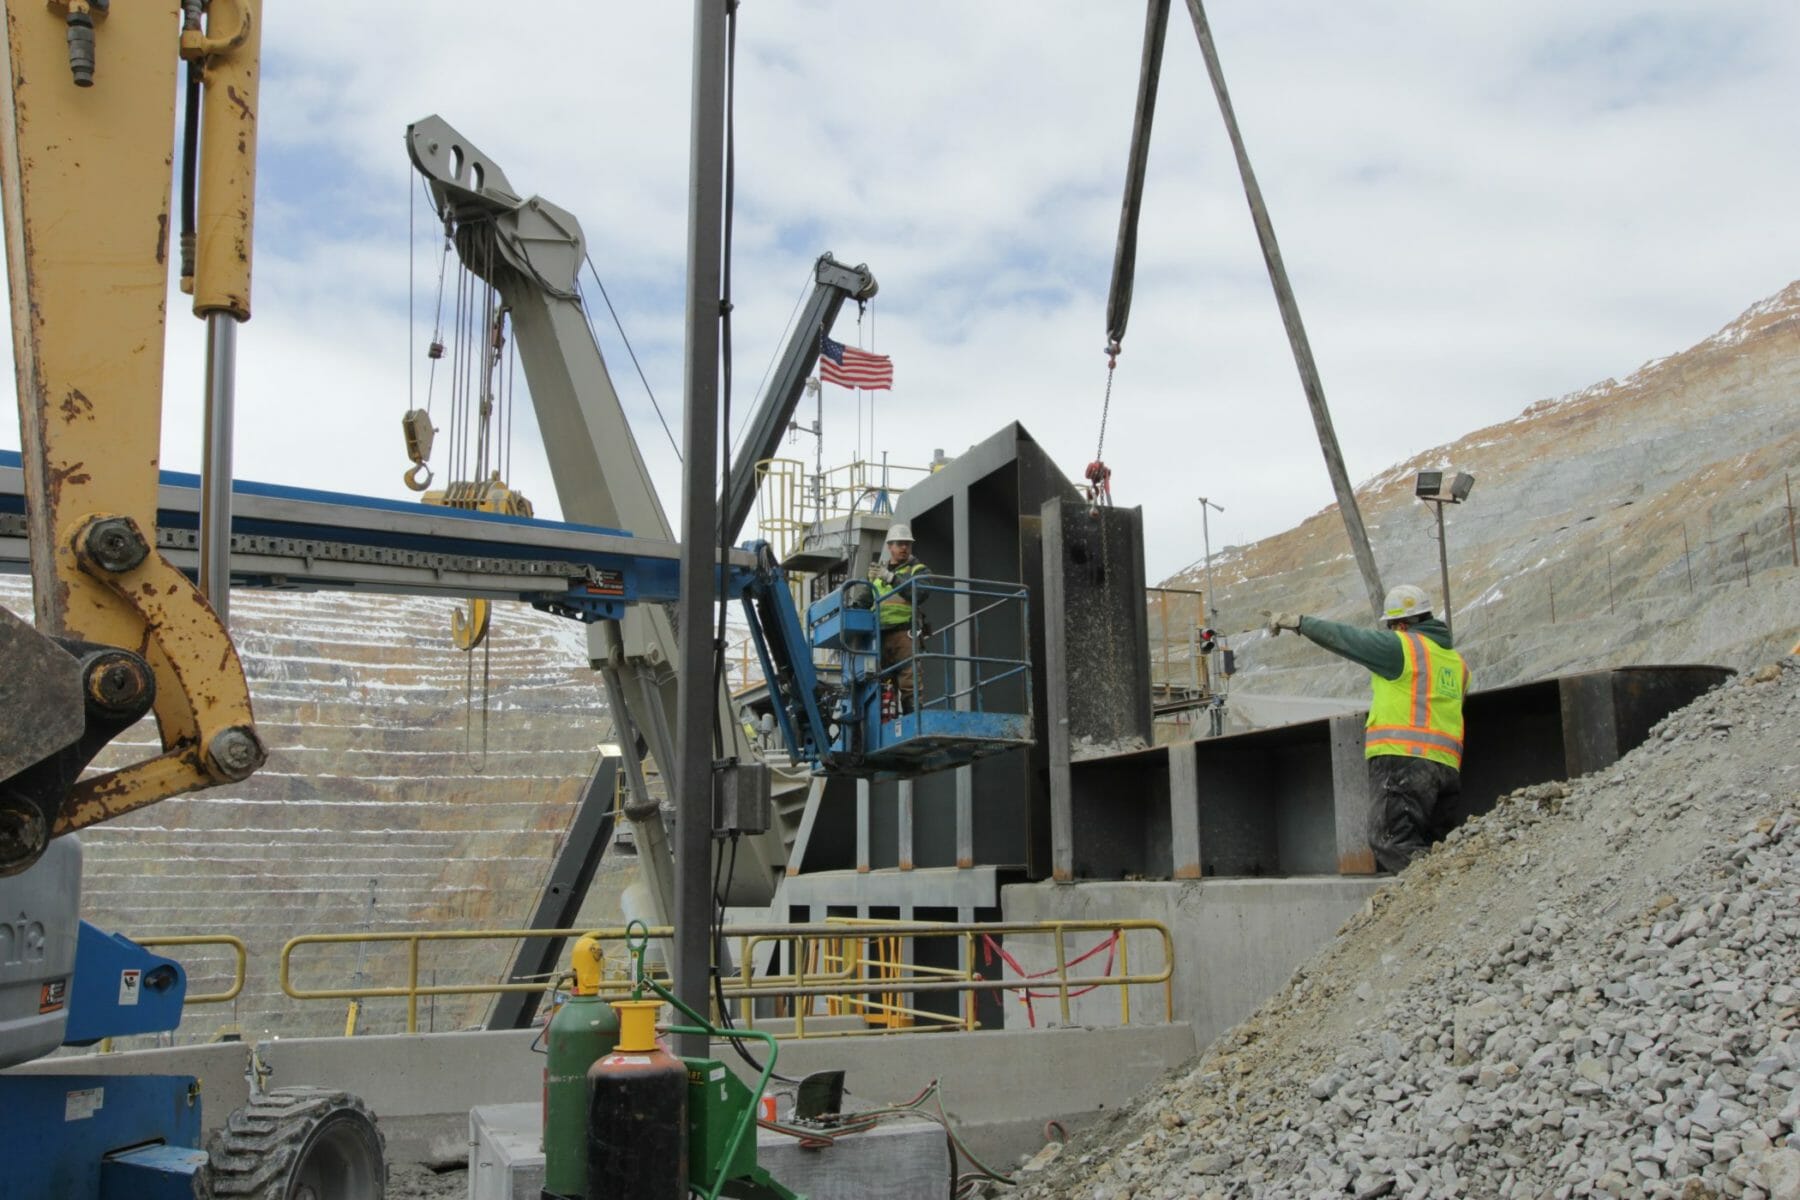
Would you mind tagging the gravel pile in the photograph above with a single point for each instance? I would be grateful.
(1593, 990)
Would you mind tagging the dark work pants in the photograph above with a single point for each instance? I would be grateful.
(897, 646)
(1408, 795)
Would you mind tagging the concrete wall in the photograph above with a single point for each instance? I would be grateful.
(999, 1086)
(1236, 942)
(421, 1086)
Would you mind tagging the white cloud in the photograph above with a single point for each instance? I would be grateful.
(1478, 208)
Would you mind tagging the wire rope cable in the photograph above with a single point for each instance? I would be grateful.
(775, 354)
(437, 322)
(412, 250)
(639, 367)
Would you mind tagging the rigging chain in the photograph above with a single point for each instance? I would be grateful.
(1099, 475)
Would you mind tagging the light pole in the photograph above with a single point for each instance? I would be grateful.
(1212, 608)
(1438, 488)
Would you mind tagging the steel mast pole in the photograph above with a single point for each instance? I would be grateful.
(1212, 608)
(1444, 566)
(696, 698)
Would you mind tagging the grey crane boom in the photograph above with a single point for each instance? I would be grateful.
(834, 284)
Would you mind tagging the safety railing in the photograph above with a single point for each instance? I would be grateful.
(866, 968)
(1178, 668)
(790, 499)
(886, 962)
(950, 668)
(781, 501)
(860, 484)
(240, 967)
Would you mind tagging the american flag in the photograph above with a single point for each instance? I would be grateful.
(849, 367)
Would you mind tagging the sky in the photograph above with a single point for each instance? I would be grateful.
(1479, 207)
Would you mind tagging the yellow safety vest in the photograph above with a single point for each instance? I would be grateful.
(899, 611)
(1419, 714)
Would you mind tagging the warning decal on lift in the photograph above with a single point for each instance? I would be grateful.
(128, 985)
(53, 995)
(81, 1104)
(605, 583)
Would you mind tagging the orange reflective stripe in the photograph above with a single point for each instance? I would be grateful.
(1449, 741)
(1412, 748)
(1419, 663)
(1394, 734)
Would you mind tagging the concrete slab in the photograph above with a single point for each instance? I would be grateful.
(506, 1153)
(899, 1160)
(1236, 941)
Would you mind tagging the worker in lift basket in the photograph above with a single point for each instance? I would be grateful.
(1414, 737)
(897, 608)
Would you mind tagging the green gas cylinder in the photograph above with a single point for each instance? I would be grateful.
(584, 1030)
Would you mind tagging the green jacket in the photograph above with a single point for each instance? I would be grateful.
(897, 612)
(1377, 650)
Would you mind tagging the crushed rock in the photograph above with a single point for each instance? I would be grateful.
(1593, 990)
(412, 1181)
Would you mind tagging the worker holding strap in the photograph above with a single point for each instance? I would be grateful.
(1414, 738)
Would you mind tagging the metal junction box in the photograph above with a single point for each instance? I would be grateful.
(741, 799)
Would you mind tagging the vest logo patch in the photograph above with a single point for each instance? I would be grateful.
(1449, 681)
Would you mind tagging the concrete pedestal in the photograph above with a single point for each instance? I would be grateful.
(506, 1157)
(898, 1160)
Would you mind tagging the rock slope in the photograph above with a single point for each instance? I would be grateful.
(1593, 990)
(1642, 520)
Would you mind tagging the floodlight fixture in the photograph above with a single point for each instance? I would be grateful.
(1443, 487)
(1438, 488)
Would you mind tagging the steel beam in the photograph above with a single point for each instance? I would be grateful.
(559, 903)
(301, 537)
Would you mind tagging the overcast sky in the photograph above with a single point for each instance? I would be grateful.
(1479, 206)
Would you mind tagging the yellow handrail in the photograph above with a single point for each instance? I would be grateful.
(844, 982)
(209, 939)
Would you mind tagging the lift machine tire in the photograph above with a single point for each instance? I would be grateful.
(299, 1143)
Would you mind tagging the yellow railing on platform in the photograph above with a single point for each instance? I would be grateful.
(235, 945)
(855, 967)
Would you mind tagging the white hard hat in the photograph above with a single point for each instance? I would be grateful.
(899, 531)
(1404, 602)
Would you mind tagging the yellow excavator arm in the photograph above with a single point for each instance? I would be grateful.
(89, 145)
